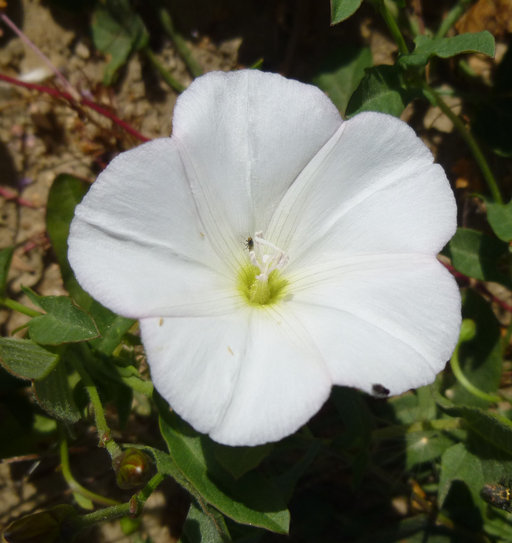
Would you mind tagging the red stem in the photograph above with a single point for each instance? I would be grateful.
(480, 287)
(83, 101)
(10, 195)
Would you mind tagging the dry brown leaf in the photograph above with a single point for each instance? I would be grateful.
(466, 175)
(492, 15)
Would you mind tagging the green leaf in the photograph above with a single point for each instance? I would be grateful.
(480, 256)
(204, 527)
(381, 89)
(479, 42)
(489, 427)
(342, 72)
(289, 479)
(239, 460)
(500, 219)
(66, 192)
(458, 464)
(481, 357)
(249, 500)
(25, 359)
(63, 322)
(343, 9)
(423, 445)
(55, 395)
(5, 264)
(117, 31)
(356, 418)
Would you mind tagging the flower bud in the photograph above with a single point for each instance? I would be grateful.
(42, 527)
(133, 468)
(467, 330)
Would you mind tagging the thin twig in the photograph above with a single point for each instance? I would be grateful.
(11, 195)
(26, 40)
(81, 102)
(480, 287)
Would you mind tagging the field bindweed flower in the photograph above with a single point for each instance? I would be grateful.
(271, 250)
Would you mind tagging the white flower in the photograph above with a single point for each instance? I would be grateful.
(271, 250)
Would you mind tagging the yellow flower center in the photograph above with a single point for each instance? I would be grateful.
(261, 281)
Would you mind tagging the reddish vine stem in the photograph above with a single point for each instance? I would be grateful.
(479, 287)
(11, 195)
(83, 102)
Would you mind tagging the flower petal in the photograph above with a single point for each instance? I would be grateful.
(136, 243)
(250, 379)
(391, 320)
(244, 137)
(372, 188)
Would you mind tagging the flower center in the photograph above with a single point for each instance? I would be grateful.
(261, 281)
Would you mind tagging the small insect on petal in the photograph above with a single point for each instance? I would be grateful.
(249, 243)
(498, 495)
(380, 391)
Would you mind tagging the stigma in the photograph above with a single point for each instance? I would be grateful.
(266, 257)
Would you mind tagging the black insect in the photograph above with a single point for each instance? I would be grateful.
(380, 391)
(499, 495)
(249, 243)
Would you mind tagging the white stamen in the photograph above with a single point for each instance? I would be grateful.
(266, 257)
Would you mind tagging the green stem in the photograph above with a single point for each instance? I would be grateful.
(73, 484)
(463, 380)
(99, 415)
(132, 508)
(399, 430)
(435, 99)
(453, 15)
(20, 308)
(181, 46)
(166, 76)
(137, 384)
(393, 27)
